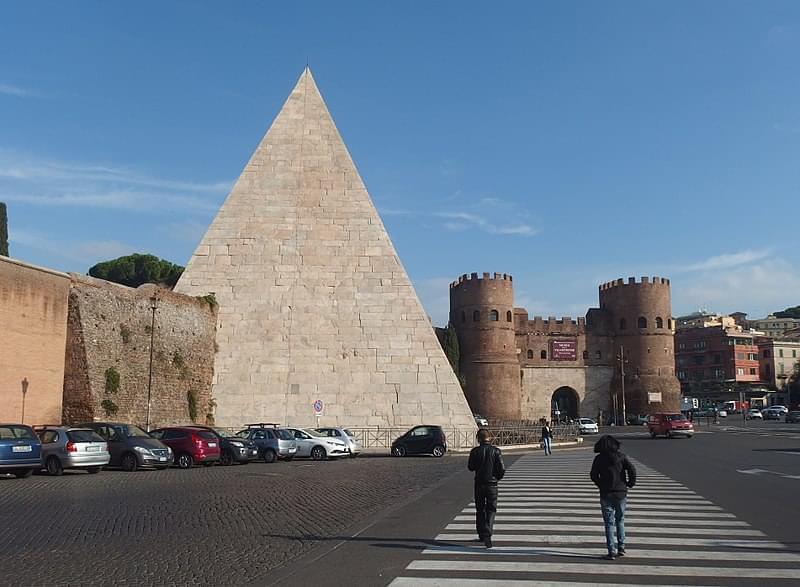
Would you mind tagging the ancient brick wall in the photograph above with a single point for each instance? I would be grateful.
(33, 326)
(108, 354)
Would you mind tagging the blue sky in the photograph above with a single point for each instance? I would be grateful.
(565, 143)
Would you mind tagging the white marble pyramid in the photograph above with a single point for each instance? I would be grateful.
(314, 303)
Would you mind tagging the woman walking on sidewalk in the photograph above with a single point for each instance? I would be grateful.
(547, 438)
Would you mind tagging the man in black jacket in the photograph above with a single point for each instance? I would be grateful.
(613, 474)
(487, 462)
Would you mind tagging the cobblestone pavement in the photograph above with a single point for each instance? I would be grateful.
(218, 525)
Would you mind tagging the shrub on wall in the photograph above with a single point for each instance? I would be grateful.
(112, 380)
(191, 400)
(3, 230)
(125, 333)
(109, 407)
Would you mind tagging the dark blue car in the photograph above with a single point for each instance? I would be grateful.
(20, 450)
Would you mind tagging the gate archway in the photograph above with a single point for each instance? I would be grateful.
(564, 404)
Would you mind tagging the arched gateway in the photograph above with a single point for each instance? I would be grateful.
(564, 403)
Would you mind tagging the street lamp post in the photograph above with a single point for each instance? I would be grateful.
(24, 393)
(153, 308)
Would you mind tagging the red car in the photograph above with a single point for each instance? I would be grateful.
(190, 445)
(669, 425)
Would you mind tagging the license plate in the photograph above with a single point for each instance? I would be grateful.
(92, 449)
(26, 448)
(212, 444)
(162, 459)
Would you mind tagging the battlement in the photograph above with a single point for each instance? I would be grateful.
(563, 325)
(652, 281)
(468, 278)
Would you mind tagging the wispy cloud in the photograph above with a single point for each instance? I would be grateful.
(48, 182)
(19, 92)
(85, 252)
(728, 260)
(463, 220)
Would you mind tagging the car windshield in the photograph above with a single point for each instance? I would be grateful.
(675, 417)
(283, 434)
(223, 433)
(350, 434)
(315, 433)
(132, 431)
(14, 432)
(84, 436)
(586, 421)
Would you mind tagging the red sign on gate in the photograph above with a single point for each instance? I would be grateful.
(563, 350)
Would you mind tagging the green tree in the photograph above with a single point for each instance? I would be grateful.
(451, 348)
(3, 230)
(793, 312)
(135, 270)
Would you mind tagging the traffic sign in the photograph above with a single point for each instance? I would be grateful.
(318, 405)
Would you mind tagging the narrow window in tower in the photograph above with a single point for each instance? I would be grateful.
(659, 322)
(543, 355)
(508, 316)
(530, 354)
(641, 322)
(585, 354)
(476, 315)
(463, 316)
(622, 324)
(494, 316)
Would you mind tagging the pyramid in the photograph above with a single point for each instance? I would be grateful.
(314, 303)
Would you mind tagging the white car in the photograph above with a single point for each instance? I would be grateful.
(781, 409)
(754, 414)
(345, 436)
(312, 444)
(587, 426)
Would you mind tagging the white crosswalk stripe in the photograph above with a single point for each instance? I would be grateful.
(549, 533)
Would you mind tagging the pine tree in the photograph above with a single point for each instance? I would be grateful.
(3, 230)
(452, 350)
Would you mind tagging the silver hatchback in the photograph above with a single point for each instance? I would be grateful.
(345, 436)
(64, 447)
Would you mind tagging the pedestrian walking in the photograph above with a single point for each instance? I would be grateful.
(547, 438)
(487, 463)
(613, 474)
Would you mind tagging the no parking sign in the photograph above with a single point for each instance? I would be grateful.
(318, 405)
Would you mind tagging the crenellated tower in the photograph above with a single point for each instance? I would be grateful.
(640, 321)
(482, 312)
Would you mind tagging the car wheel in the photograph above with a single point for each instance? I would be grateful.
(227, 458)
(93, 470)
(688, 436)
(129, 463)
(318, 453)
(669, 434)
(399, 451)
(23, 473)
(54, 467)
(652, 434)
(438, 451)
(270, 456)
(288, 458)
(353, 455)
(185, 461)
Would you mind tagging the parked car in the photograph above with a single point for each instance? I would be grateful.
(640, 420)
(316, 446)
(345, 436)
(793, 417)
(20, 450)
(64, 447)
(272, 441)
(753, 414)
(480, 420)
(421, 440)
(771, 414)
(190, 445)
(587, 426)
(780, 408)
(669, 425)
(233, 449)
(131, 448)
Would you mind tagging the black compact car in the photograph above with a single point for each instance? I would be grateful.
(131, 447)
(234, 449)
(421, 440)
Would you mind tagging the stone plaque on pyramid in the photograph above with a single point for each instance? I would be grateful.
(314, 303)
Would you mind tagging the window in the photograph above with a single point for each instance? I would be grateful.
(585, 354)
(476, 315)
(530, 354)
(421, 431)
(463, 316)
(752, 371)
(740, 370)
(508, 316)
(622, 324)
(49, 437)
(699, 359)
(641, 322)
(494, 316)
(794, 353)
(598, 355)
(719, 373)
(740, 356)
(717, 359)
(752, 356)
(543, 355)
(780, 353)
(659, 322)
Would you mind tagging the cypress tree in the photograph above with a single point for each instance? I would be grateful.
(3, 230)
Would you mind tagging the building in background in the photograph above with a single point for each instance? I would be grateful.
(779, 361)
(774, 327)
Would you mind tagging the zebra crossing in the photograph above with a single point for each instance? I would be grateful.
(549, 533)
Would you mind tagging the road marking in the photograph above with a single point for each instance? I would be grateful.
(671, 529)
(440, 581)
(649, 540)
(630, 512)
(759, 471)
(634, 520)
(511, 503)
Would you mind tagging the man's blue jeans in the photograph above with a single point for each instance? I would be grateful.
(546, 445)
(613, 509)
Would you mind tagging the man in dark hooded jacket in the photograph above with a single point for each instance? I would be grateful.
(487, 462)
(613, 474)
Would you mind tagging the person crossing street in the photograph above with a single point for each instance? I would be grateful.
(487, 463)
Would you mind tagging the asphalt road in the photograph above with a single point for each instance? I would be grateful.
(744, 483)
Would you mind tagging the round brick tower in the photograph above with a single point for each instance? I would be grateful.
(640, 316)
(482, 312)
